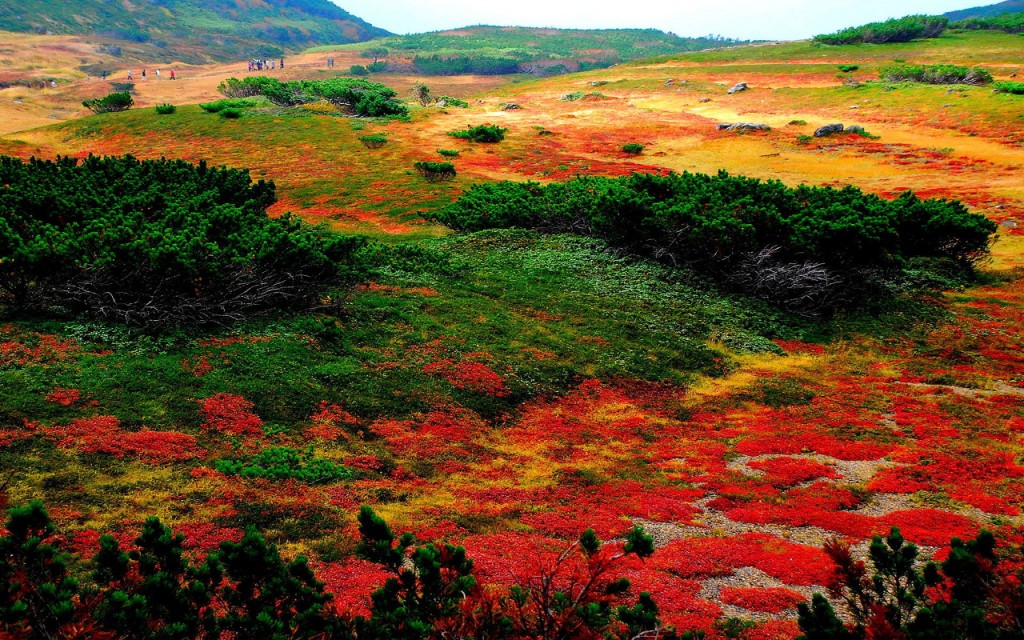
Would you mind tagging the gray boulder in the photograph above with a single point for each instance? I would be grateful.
(828, 130)
(743, 126)
(736, 88)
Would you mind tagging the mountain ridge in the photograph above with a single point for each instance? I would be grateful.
(984, 11)
(196, 30)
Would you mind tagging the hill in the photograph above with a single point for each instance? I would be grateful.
(495, 50)
(194, 31)
(1009, 6)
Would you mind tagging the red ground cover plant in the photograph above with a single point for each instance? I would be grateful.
(768, 599)
(103, 434)
(64, 397)
(230, 414)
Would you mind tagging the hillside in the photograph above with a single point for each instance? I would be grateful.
(985, 11)
(194, 30)
(503, 50)
(504, 390)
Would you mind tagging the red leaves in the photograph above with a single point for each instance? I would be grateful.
(230, 414)
(769, 600)
(103, 434)
(468, 376)
(64, 397)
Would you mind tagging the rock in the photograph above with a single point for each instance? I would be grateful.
(856, 128)
(853, 106)
(598, 83)
(744, 126)
(669, 82)
(511, 106)
(736, 88)
(442, 104)
(703, 100)
(828, 130)
(1009, 224)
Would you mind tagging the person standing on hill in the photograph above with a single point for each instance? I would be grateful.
(282, 63)
(157, 74)
(172, 74)
(129, 75)
(143, 75)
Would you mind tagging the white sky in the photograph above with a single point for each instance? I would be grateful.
(743, 19)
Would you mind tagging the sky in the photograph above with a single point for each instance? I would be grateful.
(742, 19)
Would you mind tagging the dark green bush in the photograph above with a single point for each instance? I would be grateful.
(230, 113)
(803, 248)
(358, 70)
(157, 242)
(354, 95)
(448, 153)
(379, 66)
(481, 133)
(935, 74)
(1016, 88)
(894, 30)
(123, 86)
(436, 171)
(847, 68)
(634, 148)
(165, 109)
(285, 463)
(374, 141)
(117, 101)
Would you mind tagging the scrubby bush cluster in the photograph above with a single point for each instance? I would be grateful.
(436, 65)
(374, 140)
(481, 133)
(435, 171)
(117, 101)
(634, 148)
(352, 95)
(229, 103)
(1008, 22)
(157, 242)
(894, 30)
(165, 109)
(285, 463)
(806, 249)
(449, 101)
(1016, 88)
(935, 74)
(245, 589)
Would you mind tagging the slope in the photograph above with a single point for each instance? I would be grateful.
(1009, 6)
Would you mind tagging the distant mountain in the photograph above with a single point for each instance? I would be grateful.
(491, 50)
(1010, 6)
(194, 30)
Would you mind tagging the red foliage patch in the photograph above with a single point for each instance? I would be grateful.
(769, 600)
(230, 414)
(103, 434)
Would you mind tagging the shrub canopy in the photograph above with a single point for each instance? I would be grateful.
(894, 30)
(748, 233)
(355, 95)
(156, 242)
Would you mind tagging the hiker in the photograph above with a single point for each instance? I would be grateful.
(104, 75)
(172, 74)
(282, 63)
(143, 75)
(129, 75)
(157, 74)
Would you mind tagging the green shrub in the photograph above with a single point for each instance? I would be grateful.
(123, 86)
(157, 242)
(573, 97)
(894, 30)
(215, 107)
(797, 123)
(374, 140)
(448, 153)
(848, 68)
(1016, 88)
(804, 139)
(1012, 22)
(285, 463)
(481, 133)
(453, 102)
(808, 248)
(165, 109)
(935, 74)
(634, 148)
(358, 70)
(230, 113)
(117, 101)
(354, 95)
(435, 171)
(379, 66)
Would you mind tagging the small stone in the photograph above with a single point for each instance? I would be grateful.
(736, 88)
